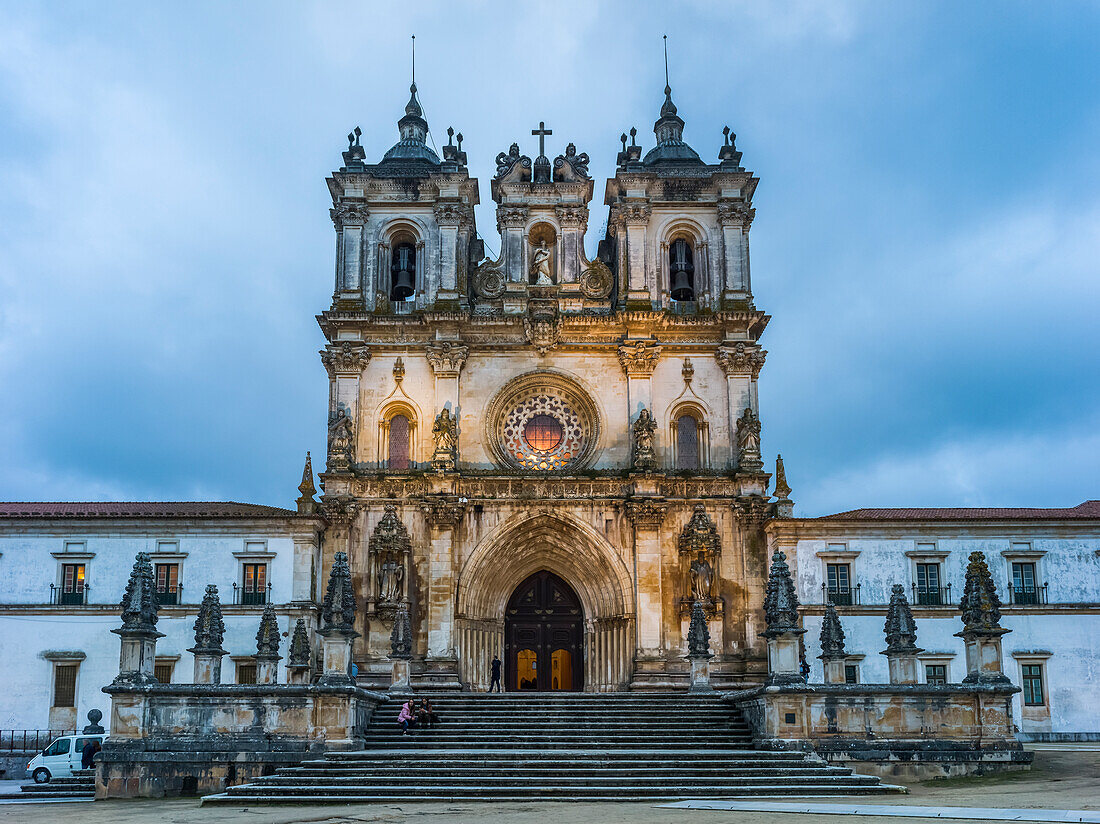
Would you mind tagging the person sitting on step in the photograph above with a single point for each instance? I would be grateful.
(425, 714)
(406, 719)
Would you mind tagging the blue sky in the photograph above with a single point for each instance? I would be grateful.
(927, 235)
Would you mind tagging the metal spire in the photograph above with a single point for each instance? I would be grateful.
(414, 59)
(667, 87)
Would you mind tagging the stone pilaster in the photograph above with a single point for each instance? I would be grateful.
(573, 220)
(449, 217)
(647, 515)
(638, 358)
(735, 218)
(742, 363)
(635, 218)
(444, 514)
(344, 362)
(350, 220)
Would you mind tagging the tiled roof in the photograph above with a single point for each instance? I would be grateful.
(1089, 510)
(140, 509)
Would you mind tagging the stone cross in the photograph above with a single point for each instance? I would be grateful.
(541, 132)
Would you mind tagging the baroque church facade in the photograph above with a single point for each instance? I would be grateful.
(545, 457)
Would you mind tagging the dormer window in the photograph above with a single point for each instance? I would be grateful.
(403, 271)
(681, 270)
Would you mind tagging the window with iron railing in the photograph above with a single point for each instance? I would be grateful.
(838, 585)
(74, 587)
(1024, 588)
(168, 584)
(254, 588)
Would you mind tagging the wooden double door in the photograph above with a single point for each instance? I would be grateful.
(544, 636)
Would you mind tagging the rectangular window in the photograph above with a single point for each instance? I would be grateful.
(163, 672)
(839, 583)
(1033, 685)
(928, 584)
(168, 576)
(254, 590)
(935, 673)
(851, 674)
(246, 673)
(1024, 590)
(64, 685)
(72, 583)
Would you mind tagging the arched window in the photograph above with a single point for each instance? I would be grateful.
(398, 457)
(687, 442)
(681, 268)
(403, 270)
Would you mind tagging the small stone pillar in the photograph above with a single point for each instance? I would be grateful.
(833, 654)
(267, 656)
(401, 651)
(982, 631)
(139, 626)
(699, 650)
(783, 633)
(901, 636)
(298, 661)
(338, 623)
(209, 634)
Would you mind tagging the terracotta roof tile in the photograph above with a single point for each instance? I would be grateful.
(139, 509)
(1089, 510)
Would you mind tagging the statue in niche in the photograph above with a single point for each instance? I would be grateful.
(340, 433)
(445, 433)
(391, 577)
(748, 440)
(540, 265)
(701, 577)
(643, 429)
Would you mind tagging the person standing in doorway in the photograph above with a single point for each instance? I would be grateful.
(495, 680)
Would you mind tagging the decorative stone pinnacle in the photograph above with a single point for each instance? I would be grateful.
(267, 637)
(338, 610)
(981, 608)
(698, 632)
(901, 629)
(139, 603)
(306, 504)
(299, 646)
(401, 635)
(782, 490)
(209, 625)
(832, 635)
(780, 600)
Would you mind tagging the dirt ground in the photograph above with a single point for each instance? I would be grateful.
(1060, 779)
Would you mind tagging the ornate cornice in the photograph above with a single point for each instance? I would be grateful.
(349, 214)
(639, 356)
(345, 358)
(752, 510)
(572, 217)
(443, 511)
(634, 214)
(735, 214)
(340, 510)
(646, 513)
(741, 359)
(447, 357)
(451, 214)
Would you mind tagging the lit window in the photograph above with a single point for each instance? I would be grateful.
(254, 590)
(72, 583)
(543, 433)
(167, 576)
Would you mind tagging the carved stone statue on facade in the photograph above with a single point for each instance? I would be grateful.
(643, 429)
(540, 265)
(445, 433)
(702, 575)
(748, 442)
(340, 434)
(391, 582)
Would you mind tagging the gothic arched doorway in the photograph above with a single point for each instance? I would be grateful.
(544, 636)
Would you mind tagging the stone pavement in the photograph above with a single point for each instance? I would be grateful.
(1061, 780)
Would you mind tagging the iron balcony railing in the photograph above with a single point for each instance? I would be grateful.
(931, 596)
(1027, 595)
(251, 598)
(170, 597)
(29, 740)
(840, 596)
(59, 597)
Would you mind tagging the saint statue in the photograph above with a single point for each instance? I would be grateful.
(445, 433)
(643, 430)
(340, 433)
(391, 577)
(701, 577)
(748, 440)
(540, 265)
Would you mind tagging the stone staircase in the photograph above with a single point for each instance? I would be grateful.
(562, 747)
(81, 787)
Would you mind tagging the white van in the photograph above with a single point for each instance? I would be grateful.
(61, 758)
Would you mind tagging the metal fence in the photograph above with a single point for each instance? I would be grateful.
(29, 740)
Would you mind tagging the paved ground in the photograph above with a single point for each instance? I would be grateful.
(1063, 779)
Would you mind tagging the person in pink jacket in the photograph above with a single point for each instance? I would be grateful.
(405, 719)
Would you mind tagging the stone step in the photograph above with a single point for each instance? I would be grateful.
(557, 742)
(58, 795)
(570, 766)
(397, 775)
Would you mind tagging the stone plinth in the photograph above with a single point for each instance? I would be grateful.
(984, 659)
(208, 666)
(834, 670)
(181, 739)
(137, 655)
(336, 655)
(401, 682)
(784, 664)
(912, 732)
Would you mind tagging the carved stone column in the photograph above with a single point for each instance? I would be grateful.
(742, 363)
(338, 623)
(735, 218)
(350, 220)
(401, 652)
(699, 653)
(449, 217)
(573, 220)
(443, 513)
(635, 220)
(638, 358)
(982, 630)
(447, 359)
(647, 515)
(300, 659)
(901, 635)
(345, 362)
(511, 222)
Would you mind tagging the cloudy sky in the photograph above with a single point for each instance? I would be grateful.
(927, 235)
